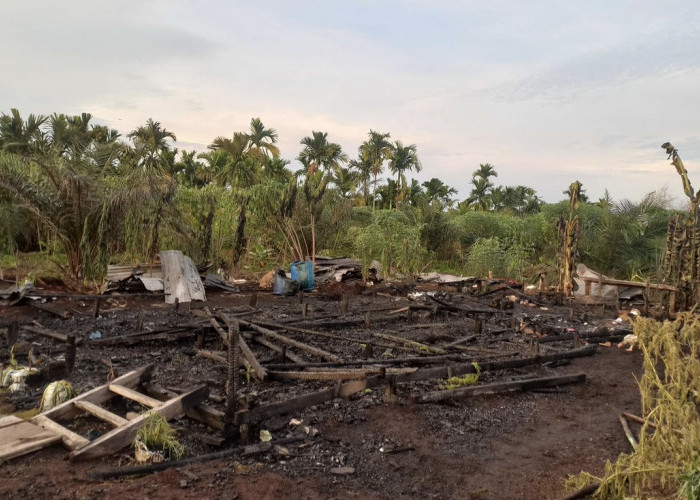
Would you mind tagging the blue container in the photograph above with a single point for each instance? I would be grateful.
(303, 273)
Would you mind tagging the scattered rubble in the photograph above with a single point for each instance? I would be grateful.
(306, 361)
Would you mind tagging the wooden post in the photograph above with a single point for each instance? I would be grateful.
(301, 297)
(305, 309)
(201, 338)
(367, 320)
(672, 302)
(70, 354)
(233, 362)
(12, 334)
(478, 326)
(253, 299)
(344, 305)
(98, 303)
(176, 304)
(390, 396)
(646, 298)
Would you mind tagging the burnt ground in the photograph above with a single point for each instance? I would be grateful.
(515, 445)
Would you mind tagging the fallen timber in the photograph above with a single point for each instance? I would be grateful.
(202, 413)
(45, 332)
(315, 351)
(411, 343)
(258, 371)
(353, 321)
(56, 311)
(596, 336)
(248, 450)
(283, 351)
(305, 331)
(351, 374)
(169, 335)
(390, 361)
(464, 310)
(516, 385)
(347, 389)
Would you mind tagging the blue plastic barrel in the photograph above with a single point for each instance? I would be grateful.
(303, 273)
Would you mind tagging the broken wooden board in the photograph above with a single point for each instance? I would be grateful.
(18, 437)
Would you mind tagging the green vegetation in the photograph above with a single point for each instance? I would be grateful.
(79, 196)
(464, 381)
(666, 463)
(157, 435)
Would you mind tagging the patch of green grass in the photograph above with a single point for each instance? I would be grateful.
(690, 483)
(157, 435)
(467, 380)
(34, 265)
(8, 261)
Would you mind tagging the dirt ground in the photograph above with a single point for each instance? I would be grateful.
(502, 446)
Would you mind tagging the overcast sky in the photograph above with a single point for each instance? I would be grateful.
(547, 91)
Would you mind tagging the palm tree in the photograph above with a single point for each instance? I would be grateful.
(236, 147)
(54, 174)
(319, 153)
(275, 169)
(414, 193)
(386, 193)
(402, 159)
(485, 171)
(151, 144)
(345, 180)
(262, 140)
(582, 196)
(152, 172)
(375, 150)
(19, 136)
(482, 189)
(436, 190)
(363, 167)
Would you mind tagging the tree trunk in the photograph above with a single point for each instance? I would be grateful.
(313, 239)
(239, 245)
(374, 192)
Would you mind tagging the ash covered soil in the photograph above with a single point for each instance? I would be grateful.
(498, 446)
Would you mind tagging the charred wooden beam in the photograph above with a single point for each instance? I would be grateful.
(315, 351)
(344, 390)
(516, 385)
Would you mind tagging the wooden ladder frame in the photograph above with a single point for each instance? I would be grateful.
(124, 430)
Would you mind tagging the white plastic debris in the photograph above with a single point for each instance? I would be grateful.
(265, 436)
(55, 394)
